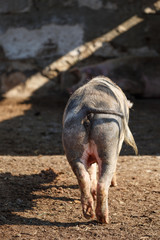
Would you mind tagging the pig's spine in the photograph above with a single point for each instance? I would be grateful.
(112, 112)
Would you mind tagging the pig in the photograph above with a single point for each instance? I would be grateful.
(138, 76)
(95, 124)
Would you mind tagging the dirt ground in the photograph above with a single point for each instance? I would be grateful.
(39, 195)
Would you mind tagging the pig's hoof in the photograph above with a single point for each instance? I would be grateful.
(88, 215)
(113, 184)
(88, 209)
(88, 212)
(102, 219)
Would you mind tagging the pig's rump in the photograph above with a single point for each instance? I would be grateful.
(95, 140)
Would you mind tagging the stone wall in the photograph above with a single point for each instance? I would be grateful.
(50, 36)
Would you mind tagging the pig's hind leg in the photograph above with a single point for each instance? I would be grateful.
(106, 175)
(76, 149)
(107, 152)
(92, 169)
(83, 177)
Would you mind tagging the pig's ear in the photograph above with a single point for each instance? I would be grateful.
(129, 103)
(76, 72)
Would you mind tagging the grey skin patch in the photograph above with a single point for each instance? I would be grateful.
(73, 103)
(104, 88)
(101, 120)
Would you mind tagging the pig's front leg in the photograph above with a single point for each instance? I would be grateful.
(106, 176)
(80, 170)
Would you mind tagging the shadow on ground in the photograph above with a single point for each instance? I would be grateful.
(17, 196)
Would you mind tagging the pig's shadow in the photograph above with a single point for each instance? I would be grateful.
(16, 195)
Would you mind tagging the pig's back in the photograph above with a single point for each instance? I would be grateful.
(99, 93)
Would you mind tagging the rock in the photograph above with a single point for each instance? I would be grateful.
(9, 81)
(149, 10)
(16, 6)
(107, 51)
(111, 6)
(31, 85)
(31, 43)
(93, 4)
(142, 51)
